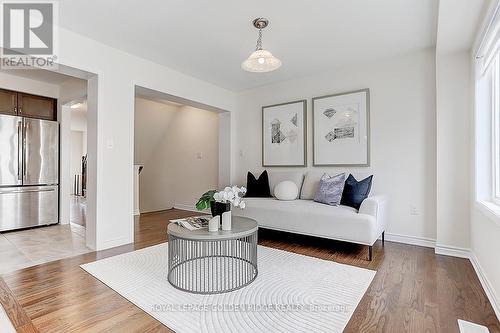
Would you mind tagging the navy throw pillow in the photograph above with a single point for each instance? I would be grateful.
(356, 191)
(258, 188)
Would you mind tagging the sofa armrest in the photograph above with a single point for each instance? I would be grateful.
(375, 206)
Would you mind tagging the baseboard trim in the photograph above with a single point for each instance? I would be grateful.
(114, 243)
(487, 286)
(453, 251)
(155, 210)
(412, 240)
(191, 208)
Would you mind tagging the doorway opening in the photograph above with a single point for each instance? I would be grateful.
(47, 98)
(78, 163)
(181, 150)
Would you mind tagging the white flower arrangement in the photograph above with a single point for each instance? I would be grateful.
(232, 195)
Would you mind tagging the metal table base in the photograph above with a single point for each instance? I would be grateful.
(212, 266)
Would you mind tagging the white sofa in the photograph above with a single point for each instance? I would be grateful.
(304, 216)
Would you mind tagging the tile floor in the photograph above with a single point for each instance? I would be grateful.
(25, 248)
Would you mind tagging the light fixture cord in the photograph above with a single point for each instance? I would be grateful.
(259, 41)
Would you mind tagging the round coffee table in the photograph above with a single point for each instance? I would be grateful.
(204, 262)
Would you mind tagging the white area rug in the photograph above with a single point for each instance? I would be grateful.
(468, 327)
(292, 293)
(5, 323)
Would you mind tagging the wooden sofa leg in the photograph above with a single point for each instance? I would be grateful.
(370, 250)
(383, 237)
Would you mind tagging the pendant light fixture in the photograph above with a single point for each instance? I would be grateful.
(260, 61)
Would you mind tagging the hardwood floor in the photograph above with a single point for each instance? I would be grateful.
(414, 290)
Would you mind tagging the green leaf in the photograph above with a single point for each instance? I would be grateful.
(205, 200)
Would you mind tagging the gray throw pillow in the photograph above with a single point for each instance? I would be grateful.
(330, 189)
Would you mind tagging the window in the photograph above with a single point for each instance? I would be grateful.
(487, 114)
(495, 109)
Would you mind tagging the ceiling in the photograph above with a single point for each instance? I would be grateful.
(79, 106)
(210, 39)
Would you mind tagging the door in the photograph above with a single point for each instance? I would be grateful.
(8, 102)
(22, 207)
(10, 150)
(41, 152)
(36, 106)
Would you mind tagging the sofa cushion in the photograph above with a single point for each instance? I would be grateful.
(330, 189)
(276, 177)
(311, 218)
(310, 186)
(356, 191)
(258, 188)
(311, 182)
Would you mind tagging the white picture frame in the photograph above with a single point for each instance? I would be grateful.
(341, 129)
(284, 128)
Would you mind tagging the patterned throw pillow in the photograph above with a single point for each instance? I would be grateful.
(330, 189)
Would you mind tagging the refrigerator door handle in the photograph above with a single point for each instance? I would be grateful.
(28, 191)
(25, 146)
(19, 149)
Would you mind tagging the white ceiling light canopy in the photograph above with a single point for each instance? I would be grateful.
(261, 61)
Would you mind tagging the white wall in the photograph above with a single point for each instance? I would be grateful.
(224, 149)
(156, 181)
(485, 246)
(76, 155)
(196, 154)
(151, 121)
(453, 150)
(111, 118)
(79, 120)
(18, 83)
(70, 90)
(403, 132)
(178, 147)
(78, 142)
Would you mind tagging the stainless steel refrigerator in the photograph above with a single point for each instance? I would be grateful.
(29, 172)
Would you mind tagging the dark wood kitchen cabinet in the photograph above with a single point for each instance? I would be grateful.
(36, 106)
(8, 102)
(27, 105)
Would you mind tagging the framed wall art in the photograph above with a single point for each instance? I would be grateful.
(341, 129)
(284, 134)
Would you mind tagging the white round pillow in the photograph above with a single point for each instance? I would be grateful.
(286, 190)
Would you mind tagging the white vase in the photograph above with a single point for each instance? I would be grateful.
(226, 221)
(213, 224)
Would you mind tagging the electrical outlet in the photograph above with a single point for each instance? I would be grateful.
(414, 210)
(199, 155)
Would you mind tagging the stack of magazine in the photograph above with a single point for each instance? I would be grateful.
(194, 223)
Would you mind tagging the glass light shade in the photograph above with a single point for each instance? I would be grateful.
(261, 61)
